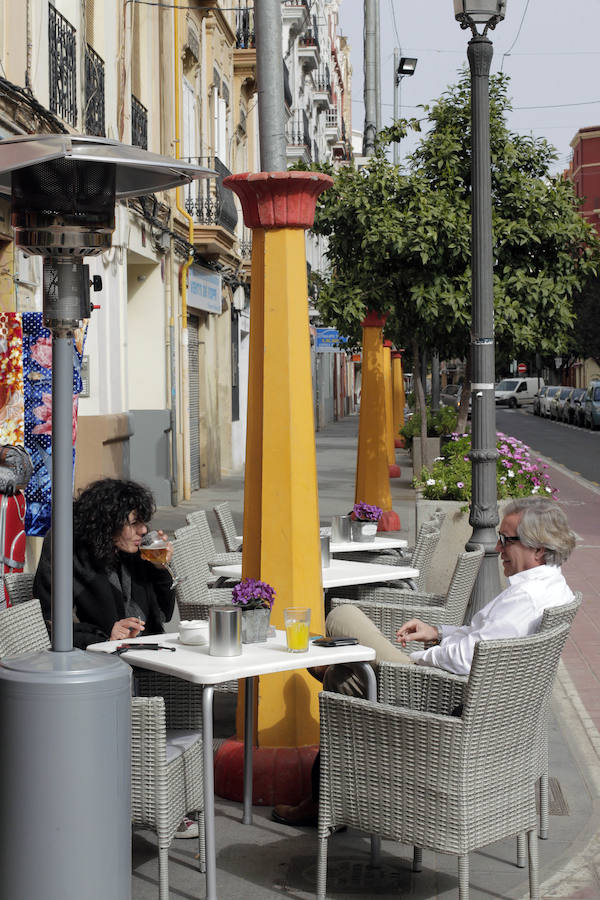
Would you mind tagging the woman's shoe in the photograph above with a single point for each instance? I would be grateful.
(305, 813)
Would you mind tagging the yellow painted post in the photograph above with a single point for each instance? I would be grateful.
(372, 474)
(394, 470)
(281, 511)
(398, 394)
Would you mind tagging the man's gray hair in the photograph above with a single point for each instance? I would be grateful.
(543, 524)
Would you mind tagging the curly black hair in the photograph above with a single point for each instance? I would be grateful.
(100, 512)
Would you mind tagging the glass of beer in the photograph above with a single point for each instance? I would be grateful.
(155, 550)
(297, 622)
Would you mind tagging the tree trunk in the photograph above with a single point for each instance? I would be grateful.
(463, 409)
(420, 394)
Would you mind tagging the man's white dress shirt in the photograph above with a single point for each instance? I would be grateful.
(515, 612)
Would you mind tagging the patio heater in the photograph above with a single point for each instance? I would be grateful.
(64, 752)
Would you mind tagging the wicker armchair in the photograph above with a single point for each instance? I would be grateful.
(419, 557)
(232, 540)
(19, 587)
(166, 780)
(22, 629)
(194, 597)
(389, 607)
(449, 784)
(199, 520)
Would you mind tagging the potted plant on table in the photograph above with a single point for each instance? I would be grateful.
(255, 599)
(365, 518)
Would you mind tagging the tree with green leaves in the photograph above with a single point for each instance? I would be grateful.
(400, 241)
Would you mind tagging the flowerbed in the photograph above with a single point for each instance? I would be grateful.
(519, 474)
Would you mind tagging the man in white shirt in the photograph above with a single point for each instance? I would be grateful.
(534, 539)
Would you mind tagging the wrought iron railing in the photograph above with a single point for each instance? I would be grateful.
(322, 79)
(303, 3)
(63, 66)
(245, 243)
(297, 130)
(139, 124)
(244, 28)
(309, 39)
(93, 115)
(208, 202)
(332, 118)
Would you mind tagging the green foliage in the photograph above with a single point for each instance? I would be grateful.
(400, 242)
(441, 423)
(518, 473)
(586, 336)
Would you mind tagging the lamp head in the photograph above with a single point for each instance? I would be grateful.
(479, 12)
(407, 66)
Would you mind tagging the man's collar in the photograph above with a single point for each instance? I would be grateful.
(534, 572)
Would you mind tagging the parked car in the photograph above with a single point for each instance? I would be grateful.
(553, 389)
(450, 395)
(537, 399)
(573, 408)
(513, 392)
(591, 406)
(558, 401)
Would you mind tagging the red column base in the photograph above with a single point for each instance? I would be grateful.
(399, 443)
(395, 471)
(280, 774)
(389, 521)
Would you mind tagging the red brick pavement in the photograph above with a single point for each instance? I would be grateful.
(582, 571)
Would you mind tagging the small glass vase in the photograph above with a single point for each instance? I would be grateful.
(363, 531)
(255, 625)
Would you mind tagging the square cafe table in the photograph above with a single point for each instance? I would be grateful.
(193, 663)
(378, 545)
(339, 573)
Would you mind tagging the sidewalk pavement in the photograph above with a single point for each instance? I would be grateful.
(267, 860)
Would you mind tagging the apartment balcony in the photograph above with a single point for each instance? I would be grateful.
(139, 124)
(322, 87)
(332, 126)
(62, 56)
(297, 133)
(244, 54)
(212, 208)
(309, 53)
(294, 13)
(93, 113)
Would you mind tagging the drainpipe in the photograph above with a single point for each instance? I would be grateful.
(170, 304)
(187, 490)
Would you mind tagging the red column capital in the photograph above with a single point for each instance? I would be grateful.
(387, 344)
(374, 320)
(278, 199)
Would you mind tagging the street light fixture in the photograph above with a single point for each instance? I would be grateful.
(403, 67)
(484, 505)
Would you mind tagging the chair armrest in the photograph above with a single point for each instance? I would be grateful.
(182, 699)
(422, 688)
(398, 595)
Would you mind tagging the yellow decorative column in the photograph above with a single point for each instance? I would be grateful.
(281, 512)
(393, 469)
(372, 474)
(399, 399)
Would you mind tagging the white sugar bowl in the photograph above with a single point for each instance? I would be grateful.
(193, 631)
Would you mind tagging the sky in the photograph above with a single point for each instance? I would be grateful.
(550, 49)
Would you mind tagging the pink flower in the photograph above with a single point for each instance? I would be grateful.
(44, 414)
(41, 352)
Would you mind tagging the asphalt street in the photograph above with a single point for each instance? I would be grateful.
(576, 448)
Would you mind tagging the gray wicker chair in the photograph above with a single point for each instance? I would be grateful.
(22, 629)
(232, 540)
(199, 520)
(166, 780)
(389, 607)
(419, 557)
(19, 587)
(449, 784)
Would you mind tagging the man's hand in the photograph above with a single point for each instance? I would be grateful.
(415, 630)
(126, 628)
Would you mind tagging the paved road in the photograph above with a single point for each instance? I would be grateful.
(576, 448)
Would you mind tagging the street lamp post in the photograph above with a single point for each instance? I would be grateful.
(484, 505)
(403, 66)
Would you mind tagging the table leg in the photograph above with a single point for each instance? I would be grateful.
(372, 695)
(209, 792)
(248, 727)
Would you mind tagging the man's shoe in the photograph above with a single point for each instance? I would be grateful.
(306, 813)
(187, 828)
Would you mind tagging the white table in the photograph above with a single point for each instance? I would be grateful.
(341, 572)
(379, 545)
(193, 663)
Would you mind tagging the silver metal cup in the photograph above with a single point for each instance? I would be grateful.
(224, 631)
(340, 529)
(326, 552)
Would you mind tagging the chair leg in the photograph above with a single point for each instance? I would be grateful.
(322, 869)
(375, 850)
(201, 840)
(534, 883)
(544, 804)
(521, 850)
(163, 873)
(417, 865)
(463, 877)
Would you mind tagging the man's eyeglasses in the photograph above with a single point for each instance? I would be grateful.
(508, 539)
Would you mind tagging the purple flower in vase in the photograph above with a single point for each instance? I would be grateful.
(253, 594)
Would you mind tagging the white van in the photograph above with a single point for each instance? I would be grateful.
(513, 392)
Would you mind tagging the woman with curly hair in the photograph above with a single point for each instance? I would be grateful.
(116, 594)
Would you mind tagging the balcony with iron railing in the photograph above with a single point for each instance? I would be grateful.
(297, 133)
(62, 57)
(294, 12)
(139, 124)
(213, 210)
(244, 28)
(332, 126)
(93, 114)
(309, 52)
(322, 86)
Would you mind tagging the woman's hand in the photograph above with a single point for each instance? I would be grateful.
(126, 628)
(164, 537)
(415, 630)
